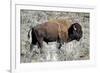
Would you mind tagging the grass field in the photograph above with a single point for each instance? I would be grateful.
(69, 51)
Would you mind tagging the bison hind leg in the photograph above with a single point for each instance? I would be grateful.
(40, 42)
(33, 43)
(31, 47)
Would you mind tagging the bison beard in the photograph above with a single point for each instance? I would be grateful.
(54, 31)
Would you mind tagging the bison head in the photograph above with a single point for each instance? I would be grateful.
(75, 32)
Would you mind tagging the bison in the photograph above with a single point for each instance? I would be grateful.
(57, 30)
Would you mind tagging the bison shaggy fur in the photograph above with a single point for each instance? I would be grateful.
(59, 30)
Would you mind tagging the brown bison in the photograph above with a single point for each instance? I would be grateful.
(56, 30)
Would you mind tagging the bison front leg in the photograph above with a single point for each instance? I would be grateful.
(60, 45)
(60, 42)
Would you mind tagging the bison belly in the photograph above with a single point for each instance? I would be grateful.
(51, 36)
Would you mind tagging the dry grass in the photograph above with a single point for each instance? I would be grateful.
(69, 51)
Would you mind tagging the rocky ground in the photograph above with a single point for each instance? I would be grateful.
(69, 51)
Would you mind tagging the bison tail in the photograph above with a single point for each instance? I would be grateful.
(29, 33)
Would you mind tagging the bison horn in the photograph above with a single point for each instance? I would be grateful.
(74, 28)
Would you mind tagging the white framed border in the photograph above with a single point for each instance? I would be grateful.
(15, 38)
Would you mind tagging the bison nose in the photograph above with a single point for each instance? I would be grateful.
(78, 39)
